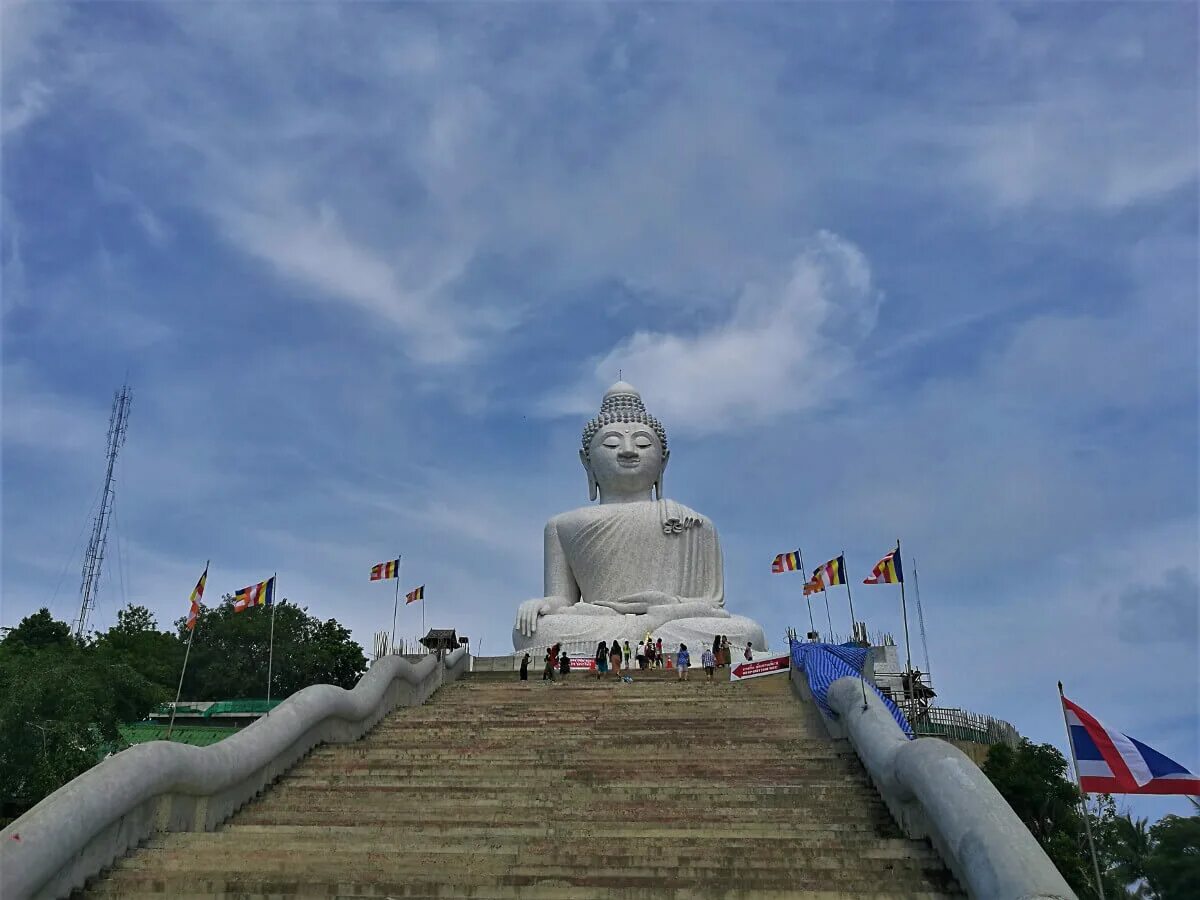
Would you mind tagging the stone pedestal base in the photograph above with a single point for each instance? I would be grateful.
(697, 633)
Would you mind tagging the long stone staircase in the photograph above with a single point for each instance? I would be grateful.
(586, 789)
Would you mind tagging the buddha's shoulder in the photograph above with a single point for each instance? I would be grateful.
(585, 515)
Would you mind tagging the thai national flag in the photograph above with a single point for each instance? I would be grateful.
(1113, 763)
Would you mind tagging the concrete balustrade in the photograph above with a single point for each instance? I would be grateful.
(934, 791)
(160, 786)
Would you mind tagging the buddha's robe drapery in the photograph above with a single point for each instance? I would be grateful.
(616, 550)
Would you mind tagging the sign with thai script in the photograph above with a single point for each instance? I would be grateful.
(768, 665)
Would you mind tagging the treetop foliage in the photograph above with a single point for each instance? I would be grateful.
(61, 701)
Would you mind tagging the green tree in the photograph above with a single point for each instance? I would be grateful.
(1173, 864)
(1033, 779)
(229, 653)
(39, 630)
(136, 642)
(1132, 846)
(60, 707)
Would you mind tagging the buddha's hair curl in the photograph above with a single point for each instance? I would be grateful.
(622, 407)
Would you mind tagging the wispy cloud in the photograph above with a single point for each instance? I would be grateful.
(785, 347)
(881, 269)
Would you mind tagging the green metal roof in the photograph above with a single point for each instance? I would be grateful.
(240, 707)
(197, 736)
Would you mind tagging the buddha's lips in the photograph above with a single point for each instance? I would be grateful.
(629, 463)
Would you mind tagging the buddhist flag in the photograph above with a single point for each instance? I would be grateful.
(389, 569)
(414, 595)
(786, 562)
(197, 596)
(813, 587)
(261, 594)
(833, 572)
(887, 570)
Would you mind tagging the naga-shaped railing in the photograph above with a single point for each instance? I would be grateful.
(930, 786)
(79, 830)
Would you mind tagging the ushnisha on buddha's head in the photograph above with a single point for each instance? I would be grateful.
(624, 449)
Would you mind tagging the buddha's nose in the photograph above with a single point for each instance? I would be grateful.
(627, 453)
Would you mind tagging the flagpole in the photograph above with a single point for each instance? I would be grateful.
(179, 690)
(921, 620)
(904, 613)
(828, 617)
(853, 620)
(808, 603)
(271, 644)
(396, 605)
(186, 654)
(1087, 824)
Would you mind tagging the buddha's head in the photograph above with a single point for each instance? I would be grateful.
(624, 447)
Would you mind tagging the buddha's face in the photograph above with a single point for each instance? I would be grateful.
(626, 457)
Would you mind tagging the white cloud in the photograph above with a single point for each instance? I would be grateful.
(785, 347)
(25, 27)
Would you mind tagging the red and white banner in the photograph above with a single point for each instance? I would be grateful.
(768, 665)
(582, 662)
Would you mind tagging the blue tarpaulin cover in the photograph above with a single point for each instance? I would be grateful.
(823, 664)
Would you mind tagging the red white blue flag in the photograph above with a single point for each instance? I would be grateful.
(1113, 763)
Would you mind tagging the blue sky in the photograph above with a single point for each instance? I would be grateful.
(920, 270)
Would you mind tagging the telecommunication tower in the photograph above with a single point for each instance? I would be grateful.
(94, 557)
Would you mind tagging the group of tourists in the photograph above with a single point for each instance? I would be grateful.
(648, 654)
(556, 658)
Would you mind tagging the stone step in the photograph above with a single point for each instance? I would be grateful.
(369, 881)
(571, 791)
(391, 836)
(662, 890)
(372, 787)
(201, 856)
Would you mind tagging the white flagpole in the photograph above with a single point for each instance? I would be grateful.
(828, 617)
(807, 601)
(186, 654)
(271, 645)
(853, 621)
(396, 605)
(921, 619)
(1087, 824)
(904, 613)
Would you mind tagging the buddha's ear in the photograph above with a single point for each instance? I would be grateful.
(658, 483)
(593, 486)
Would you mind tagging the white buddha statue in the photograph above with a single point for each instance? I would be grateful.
(636, 563)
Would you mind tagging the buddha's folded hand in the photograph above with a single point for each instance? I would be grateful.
(683, 608)
(640, 602)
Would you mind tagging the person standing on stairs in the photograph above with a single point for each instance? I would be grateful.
(616, 655)
(525, 668)
(548, 669)
(601, 660)
(709, 660)
(564, 665)
(683, 660)
(628, 654)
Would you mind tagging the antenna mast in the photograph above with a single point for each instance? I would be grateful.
(118, 422)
